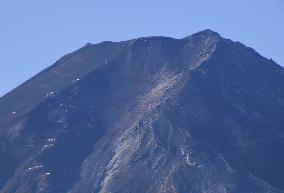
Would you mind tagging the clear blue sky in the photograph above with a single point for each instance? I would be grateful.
(35, 33)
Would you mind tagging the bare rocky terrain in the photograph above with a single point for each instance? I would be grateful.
(201, 114)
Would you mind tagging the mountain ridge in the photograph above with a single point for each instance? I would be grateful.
(86, 47)
(198, 114)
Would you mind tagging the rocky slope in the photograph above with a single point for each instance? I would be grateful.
(201, 114)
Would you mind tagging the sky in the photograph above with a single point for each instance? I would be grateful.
(36, 33)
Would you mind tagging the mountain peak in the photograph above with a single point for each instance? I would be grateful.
(152, 114)
(205, 35)
(207, 32)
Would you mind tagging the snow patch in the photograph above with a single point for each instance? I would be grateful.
(76, 80)
(51, 140)
(35, 167)
(50, 94)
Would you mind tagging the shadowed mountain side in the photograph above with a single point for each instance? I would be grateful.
(156, 114)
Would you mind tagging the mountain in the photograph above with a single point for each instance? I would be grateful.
(202, 114)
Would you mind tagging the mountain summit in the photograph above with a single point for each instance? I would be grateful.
(202, 114)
